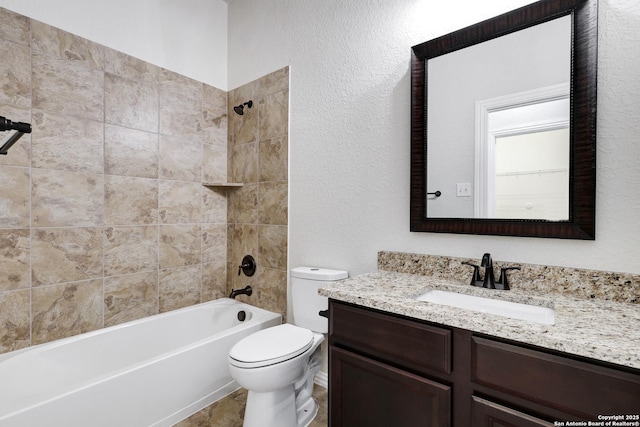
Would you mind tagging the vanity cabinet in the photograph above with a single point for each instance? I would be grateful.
(389, 370)
(379, 370)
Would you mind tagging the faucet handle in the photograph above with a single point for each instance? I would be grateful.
(248, 266)
(502, 282)
(486, 261)
(475, 278)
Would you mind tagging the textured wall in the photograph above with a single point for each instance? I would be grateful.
(349, 128)
(258, 211)
(103, 217)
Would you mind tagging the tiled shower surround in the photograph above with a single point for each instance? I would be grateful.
(103, 215)
(257, 214)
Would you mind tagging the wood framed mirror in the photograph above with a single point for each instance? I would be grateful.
(578, 219)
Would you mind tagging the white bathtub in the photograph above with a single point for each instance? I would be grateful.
(154, 371)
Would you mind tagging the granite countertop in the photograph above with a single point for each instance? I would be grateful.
(599, 329)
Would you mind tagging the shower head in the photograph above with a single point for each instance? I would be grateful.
(239, 109)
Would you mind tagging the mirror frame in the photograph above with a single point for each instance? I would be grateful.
(582, 176)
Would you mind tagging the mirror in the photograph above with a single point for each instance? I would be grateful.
(503, 125)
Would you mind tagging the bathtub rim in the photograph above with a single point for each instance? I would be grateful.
(130, 323)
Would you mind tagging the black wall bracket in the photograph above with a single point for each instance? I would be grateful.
(20, 129)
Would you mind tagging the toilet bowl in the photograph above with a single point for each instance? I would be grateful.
(277, 365)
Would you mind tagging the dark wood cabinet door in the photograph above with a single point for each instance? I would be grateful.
(490, 414)
(364, 392)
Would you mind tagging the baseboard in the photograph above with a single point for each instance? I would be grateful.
(322, 379)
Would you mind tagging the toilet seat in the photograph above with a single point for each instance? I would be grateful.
(270, 346)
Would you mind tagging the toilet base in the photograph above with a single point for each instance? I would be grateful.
(307, 412)
(278, 409)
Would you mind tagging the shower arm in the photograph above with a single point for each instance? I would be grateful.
(20, 128)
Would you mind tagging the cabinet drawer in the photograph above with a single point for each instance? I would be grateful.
(574, 387)
(409, 344)
(490, 414)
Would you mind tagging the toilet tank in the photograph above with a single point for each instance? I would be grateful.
(305, 282)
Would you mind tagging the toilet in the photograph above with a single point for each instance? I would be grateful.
(277, 365)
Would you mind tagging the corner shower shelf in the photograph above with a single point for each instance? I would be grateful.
(223, 184)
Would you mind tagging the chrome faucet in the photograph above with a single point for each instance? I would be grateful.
(489, 280)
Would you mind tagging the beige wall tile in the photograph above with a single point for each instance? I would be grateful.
(215, 119)
(14, 27)
(214, 163)
(15, 253)
(130, 152)
(180, 202)
(246, 126)
(64, 310)
(58, 44)
(214, 205)
(62, 87)
(130, 200)
(60, 255)
(245, 162)
(245, 204)
(14, 197)
(214, 280)
(130, 249)
(272, 246)
(272, 203)
(244, 241)
(127, 66)
(274, 115)
(131, 103)
(274, 159)
(270, 290)
(61, 198)
(179, 287)
(274, 82)
(67, 143)
(180, 105)
(15, 325)
(214, 243)
(15, 74)
(181, 158)
(179, 245)
(130, 297)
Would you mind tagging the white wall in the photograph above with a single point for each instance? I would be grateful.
(186, 36)
(349, 128)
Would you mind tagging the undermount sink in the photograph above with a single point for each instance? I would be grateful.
(514, 310)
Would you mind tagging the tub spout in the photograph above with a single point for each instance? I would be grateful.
(235, 292)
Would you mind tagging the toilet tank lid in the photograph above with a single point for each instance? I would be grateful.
(315, 273)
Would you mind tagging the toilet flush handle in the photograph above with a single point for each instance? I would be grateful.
(324, 313)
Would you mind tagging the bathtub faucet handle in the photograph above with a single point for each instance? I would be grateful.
(248, 266)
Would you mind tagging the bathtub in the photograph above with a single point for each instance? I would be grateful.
(154, 371)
